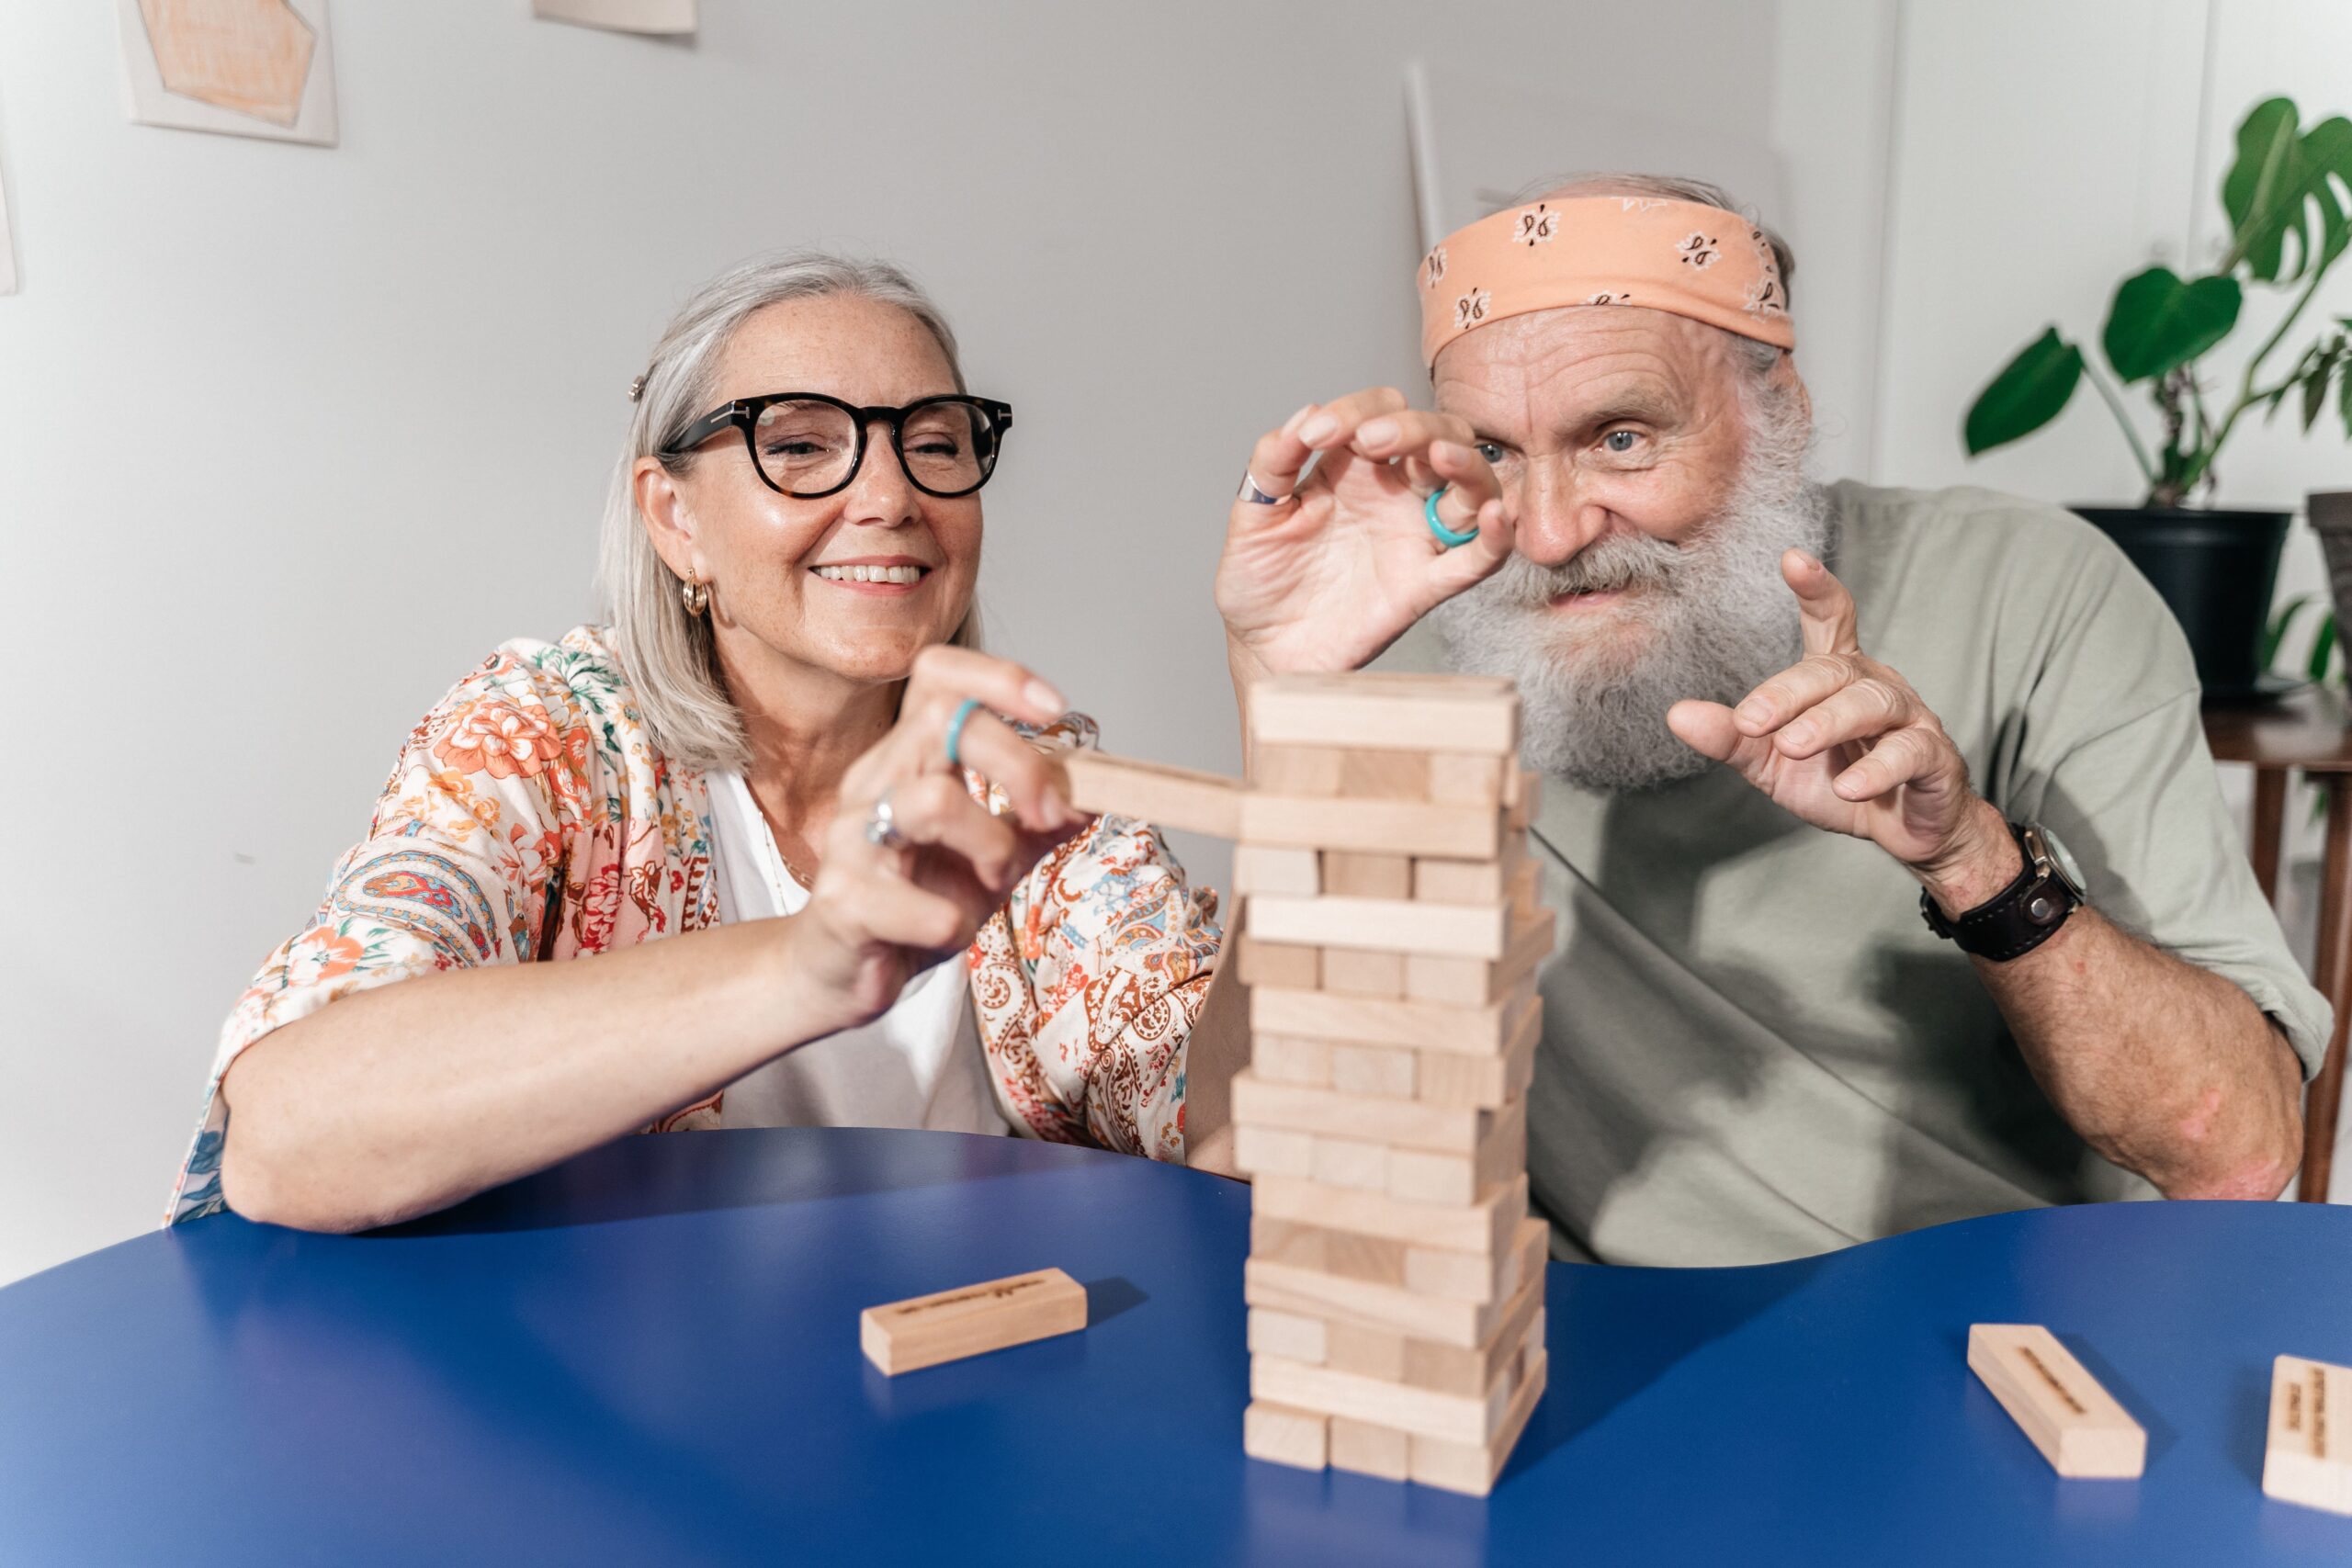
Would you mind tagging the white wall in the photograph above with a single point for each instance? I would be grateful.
(289, 437)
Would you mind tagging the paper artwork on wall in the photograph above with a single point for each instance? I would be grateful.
(663, 16)
(241, 67)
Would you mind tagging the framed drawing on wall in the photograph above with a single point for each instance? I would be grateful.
(240, 67)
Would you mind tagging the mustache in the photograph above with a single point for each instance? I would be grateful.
(1609, 563)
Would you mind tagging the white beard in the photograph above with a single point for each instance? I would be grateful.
(1711, 619)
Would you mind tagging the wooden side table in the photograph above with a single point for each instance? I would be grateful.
(2310, 731)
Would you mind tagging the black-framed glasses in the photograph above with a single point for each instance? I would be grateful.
(806, 445)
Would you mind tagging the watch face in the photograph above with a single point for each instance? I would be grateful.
(2069, 872)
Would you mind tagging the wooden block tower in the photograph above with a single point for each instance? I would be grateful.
(1391, 932)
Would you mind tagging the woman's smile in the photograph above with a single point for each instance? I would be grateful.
(891, 575)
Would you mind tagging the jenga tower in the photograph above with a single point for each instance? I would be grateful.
(1391, 935)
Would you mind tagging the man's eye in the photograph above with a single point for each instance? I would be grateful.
(1491, 450)
(1620, 440)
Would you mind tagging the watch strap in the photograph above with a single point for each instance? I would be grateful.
(2014, 921)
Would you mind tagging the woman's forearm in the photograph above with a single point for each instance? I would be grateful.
(405, 1099)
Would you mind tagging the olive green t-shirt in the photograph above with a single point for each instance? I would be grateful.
(1752, 1048)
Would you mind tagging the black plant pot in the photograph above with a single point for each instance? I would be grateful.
(2216, 570)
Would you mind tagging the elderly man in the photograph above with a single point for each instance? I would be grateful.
(1782, 723)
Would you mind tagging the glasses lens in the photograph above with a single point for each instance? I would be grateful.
(949, 444)
(804, 448)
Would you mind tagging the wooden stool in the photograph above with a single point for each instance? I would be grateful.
(2310, 731)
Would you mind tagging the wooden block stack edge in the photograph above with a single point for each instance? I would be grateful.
(1390, 934)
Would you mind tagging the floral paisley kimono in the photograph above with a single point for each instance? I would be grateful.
(530, 818)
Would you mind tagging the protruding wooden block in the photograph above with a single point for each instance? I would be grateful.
(1473, 1467)
(1360, 972)
(2308, 1456)
(1393, 712)
(1484, 1227)
(1384, 775)
(2078, 1425)
(1390, 925)
(1289, 1336)
(1368, 1352)
(1270, 1151)
(947, 1326)
(1367, 1450)
(1354, 873)
(1467, 778)
(1280, 965)
(1521, 805)
(1297, 1437)
(1170, 797)
(1420, 1176)
(1265, 868)
(1399, 1124)
(1350, 1163)
(1526, 891)
(1424, 1026)
(1283, 1058)
(1380, 826)
(1475, 982)
(1378, 1072)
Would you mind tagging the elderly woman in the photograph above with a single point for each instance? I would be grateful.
(786, 760)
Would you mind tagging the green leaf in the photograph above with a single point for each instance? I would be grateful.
(2281, 622)
(2323, 650)
(2026, 395)
(2158, 323)
(2315, 389)
(2279, 188)
(2344, 391)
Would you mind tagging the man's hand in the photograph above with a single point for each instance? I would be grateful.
(1325, 578)
(1843, 742)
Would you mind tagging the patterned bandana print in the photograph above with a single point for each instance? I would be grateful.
(1680, 256)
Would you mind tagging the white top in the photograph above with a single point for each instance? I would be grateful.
(917, 1065)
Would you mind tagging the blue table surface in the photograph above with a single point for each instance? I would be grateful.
(649, 1354)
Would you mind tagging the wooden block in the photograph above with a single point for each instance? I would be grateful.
(1459, 1369)
(1522, 804)
(1486, 1227)
(1474, 982)
(1350, 1163)
(1419, 1176)
(1270, 1151)
(1368, 1352)
(1367, 1450)
(1295, 770)
(1401, 1124)
(901, 1336)
(1361, 972)
(1409, 713)
(1471, 1420)
(1473, 1467)
(1287, 1241)
(1380, 826)
(1353, 873)
(1526, 891)
(1441, 1079)
(1437, 881)
(1283, 1058)
(1167, 798)
(2308, 1456)
(1384, 775)
(1296, 1438)
(1390, 925)
(1362, 1021)
(1377, 1072)
(1289, 1336)
(1283, 965)
(1468, 1277)
(2075, 1423)
(1264, 868)
(1350, 1255)
(1467, 778)
(1310, 1292)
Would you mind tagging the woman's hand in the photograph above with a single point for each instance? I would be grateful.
(879, 916)
(1333, 572)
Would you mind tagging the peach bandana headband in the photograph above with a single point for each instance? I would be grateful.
(1682, 256)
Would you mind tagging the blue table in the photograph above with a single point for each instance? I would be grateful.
(650, 1355)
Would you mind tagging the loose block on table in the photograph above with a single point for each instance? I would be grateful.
(1389, 925)
(1410, 713)
(2078, 1425)
(2308, 1457)
(901, 1336)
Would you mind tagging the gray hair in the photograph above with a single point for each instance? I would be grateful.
(668, 655)
(1759, 357)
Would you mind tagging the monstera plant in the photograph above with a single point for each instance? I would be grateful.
(2288, 197)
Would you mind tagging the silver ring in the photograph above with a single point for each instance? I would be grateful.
(882, 826)
(1254, 495)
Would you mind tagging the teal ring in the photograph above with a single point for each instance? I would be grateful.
(955, 730)
(1445, 536)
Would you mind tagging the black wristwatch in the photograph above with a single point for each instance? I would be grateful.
(2026, 913)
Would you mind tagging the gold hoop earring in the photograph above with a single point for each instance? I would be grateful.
(696, 594)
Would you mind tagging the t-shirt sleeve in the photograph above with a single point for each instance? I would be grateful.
(2114, 760)
(458, 870)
